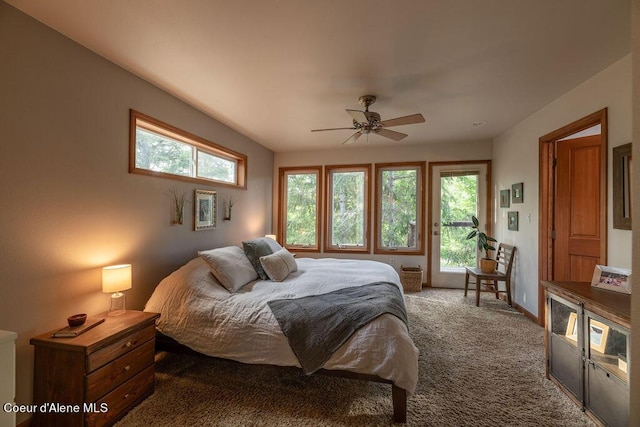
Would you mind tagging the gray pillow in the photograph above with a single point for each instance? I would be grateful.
(279, 264)
(256, 248)
(230, 266)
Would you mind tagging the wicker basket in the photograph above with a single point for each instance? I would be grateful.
(411, 278)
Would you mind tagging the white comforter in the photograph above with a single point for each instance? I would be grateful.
(199, 313)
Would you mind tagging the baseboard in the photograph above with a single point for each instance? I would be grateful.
(526, 313)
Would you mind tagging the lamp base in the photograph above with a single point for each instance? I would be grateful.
(117, 304)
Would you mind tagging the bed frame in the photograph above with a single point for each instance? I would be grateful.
(398, 395)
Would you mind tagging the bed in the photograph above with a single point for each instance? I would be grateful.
(198, 312)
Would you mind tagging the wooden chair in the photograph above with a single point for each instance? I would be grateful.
(504, 256)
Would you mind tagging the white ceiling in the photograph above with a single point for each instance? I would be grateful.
(275, 69)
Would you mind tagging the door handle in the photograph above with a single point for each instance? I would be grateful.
(435, 232)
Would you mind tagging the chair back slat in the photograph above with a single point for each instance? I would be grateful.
(504, 256)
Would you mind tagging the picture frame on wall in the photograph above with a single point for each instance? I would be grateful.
(517, 193)
(505, 198)
(206, 207)
(612, 278)
(512, 223)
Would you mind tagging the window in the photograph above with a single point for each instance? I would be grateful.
(300, 190)
(399, 213)
(347, 208)
(159, 149)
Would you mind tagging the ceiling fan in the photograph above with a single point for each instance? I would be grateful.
(366, 122)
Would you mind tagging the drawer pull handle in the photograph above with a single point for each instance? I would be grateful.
(128, 344)
(126, 396)
(126, 368)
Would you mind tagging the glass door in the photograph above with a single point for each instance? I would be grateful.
(458, 192)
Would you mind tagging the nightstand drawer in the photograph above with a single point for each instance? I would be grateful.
(124, 397)
(117, 349)
(115, 373)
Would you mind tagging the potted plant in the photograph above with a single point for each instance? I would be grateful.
(487, 264)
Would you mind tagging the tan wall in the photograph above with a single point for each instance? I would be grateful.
(69, 204)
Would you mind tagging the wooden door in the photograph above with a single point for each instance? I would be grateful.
(577, 217)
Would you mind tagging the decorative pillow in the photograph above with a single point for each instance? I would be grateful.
(230, 266)
(256, 248)
(279, 264)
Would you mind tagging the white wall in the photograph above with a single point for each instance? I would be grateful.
(69, 205)
(515, 159)
(360, 153)
(634, 367)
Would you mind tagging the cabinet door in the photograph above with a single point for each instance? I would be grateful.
(565, 344)
(607, 378)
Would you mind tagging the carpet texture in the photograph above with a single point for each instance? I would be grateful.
(479, 366)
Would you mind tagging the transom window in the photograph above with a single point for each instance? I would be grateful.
(159, 149)
(347, 213)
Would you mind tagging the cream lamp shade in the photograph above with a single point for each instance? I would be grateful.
(115, 279)
(270, 236)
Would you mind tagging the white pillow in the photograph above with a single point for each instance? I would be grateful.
(230, 266)
(279, 264)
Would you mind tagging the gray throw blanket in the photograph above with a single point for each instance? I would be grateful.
(316, 326)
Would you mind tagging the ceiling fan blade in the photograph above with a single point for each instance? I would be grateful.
(406, 120)
(391, 134)
(352, 138)
(320, 130)
(358, 116)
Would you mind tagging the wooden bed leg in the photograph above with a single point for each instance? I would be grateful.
(399, 397)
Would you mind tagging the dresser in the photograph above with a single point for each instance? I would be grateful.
(7, 375)
(587, 348)
(97, 377)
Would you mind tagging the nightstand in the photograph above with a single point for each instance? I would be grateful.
(97, 377)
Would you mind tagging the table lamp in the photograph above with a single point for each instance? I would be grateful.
(115, 279)
(270, 236)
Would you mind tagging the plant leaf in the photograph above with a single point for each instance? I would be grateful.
(491, 239)
(472, 234)
(475, 221)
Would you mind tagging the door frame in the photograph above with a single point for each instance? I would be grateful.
(547, 195)
(430, 203)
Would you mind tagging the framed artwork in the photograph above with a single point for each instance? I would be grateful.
(622, 172)
(206, 207)
(505, 198)
(572, 327)
(512, 221)
(598, 334)
(611, 278)
(517, 193)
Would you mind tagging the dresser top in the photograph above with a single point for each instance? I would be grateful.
(613, 302)
(110, 330)
(6, 336)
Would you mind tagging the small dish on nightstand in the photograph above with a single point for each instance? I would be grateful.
(77, 319)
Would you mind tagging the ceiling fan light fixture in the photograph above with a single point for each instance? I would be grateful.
(366, 122)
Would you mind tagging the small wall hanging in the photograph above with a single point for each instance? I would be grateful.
(206, 204)
(517, 193)
(505, 198)
(513, 221)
